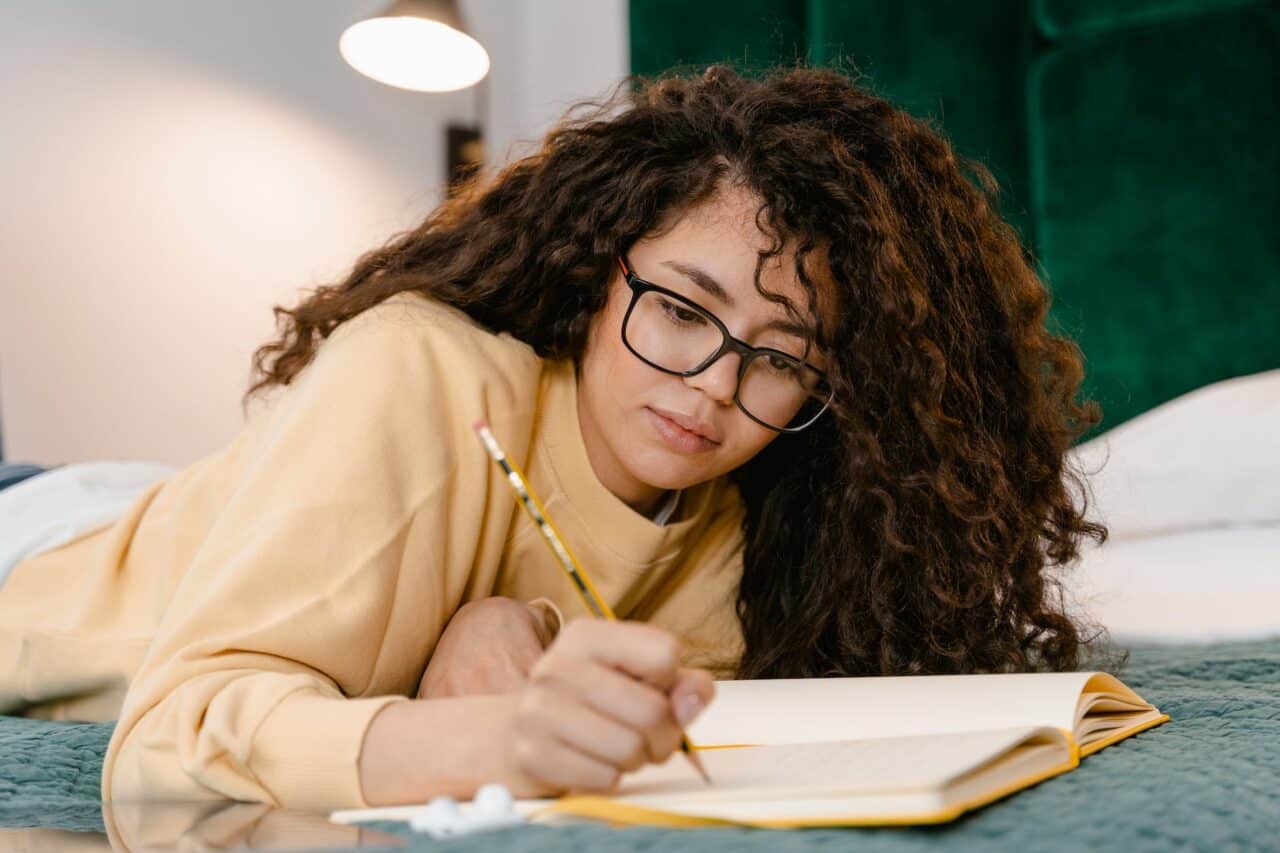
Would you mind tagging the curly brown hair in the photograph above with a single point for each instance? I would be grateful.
(916, 529)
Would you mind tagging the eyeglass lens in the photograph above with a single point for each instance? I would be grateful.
(676, 336)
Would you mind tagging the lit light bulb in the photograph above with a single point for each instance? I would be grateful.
(414, 53)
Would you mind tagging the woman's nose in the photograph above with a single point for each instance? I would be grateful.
(719, 380)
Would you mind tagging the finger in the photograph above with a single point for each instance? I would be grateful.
(594, 734)
(694, 689)
(554, 763)
(625, 700)
(643, 651)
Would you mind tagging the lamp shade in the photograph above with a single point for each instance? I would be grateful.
(416, 44)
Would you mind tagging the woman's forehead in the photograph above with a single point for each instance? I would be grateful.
(722, 238)
(725, 276)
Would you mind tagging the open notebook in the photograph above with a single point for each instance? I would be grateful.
(862, 751)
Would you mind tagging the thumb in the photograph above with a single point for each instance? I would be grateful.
(693, 690)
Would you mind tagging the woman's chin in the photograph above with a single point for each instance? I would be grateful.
(666, 475)
(655, 471)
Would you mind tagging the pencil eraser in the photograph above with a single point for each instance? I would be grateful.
(483, 422)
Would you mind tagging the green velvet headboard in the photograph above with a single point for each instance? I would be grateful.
(1136, 143)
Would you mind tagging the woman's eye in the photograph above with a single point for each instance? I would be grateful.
(681, 315)
(780, 365)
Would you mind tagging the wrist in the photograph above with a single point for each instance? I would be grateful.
(425, 748)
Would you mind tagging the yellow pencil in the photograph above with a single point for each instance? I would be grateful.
(572, 567)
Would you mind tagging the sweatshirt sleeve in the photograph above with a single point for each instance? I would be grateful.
(255, 684)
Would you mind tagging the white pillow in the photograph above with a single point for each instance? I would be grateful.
(55, 506)
(1196, 586)
(1208, 458)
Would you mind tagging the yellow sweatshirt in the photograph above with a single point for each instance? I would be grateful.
(262, 604)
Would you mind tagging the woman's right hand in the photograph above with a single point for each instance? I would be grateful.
(606, 698)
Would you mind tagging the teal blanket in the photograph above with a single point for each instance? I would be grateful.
(1209, 779)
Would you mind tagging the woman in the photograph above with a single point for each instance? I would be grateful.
(780, 374)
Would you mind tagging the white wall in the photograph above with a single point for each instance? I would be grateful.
(172, 170)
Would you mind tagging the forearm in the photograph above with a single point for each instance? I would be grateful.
(423, 748)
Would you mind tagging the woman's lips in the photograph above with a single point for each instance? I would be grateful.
(677, 437)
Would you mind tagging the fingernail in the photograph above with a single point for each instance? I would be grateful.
(687, 707)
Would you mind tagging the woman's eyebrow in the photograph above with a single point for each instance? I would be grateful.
(707, 282)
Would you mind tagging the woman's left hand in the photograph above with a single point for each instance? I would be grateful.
(488, 647)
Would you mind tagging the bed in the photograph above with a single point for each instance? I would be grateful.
(1207, 780)
(1189, 584)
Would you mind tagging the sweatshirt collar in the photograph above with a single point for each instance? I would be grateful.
(668, 507)
(600, 515)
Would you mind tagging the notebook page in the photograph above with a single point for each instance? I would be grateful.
(916, 762)
(904, 775)
(807, 710)
(845, 781)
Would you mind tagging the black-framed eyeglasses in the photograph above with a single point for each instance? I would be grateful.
(676, 335)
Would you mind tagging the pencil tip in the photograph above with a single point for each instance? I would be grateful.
(696, 762)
